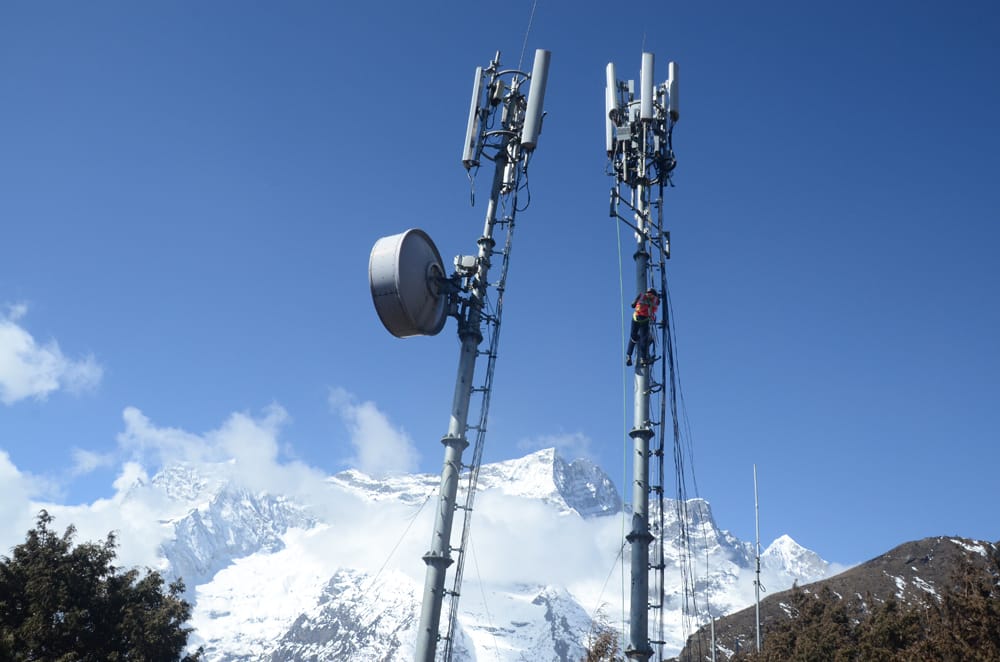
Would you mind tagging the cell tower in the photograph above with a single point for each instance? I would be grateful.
(413, 296)
(639, 128)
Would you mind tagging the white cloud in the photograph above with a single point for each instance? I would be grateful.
(253, 443)
(247, 446)
(31, 370)
(247, 440)
(383, 536)
(16, 311)
(132, 474)
(161, 446)
(134, 515)
(572, 445)
(16, 509)
(379, 446)
(85, 461)
(516, 539)
(243, 449)
(246, 449)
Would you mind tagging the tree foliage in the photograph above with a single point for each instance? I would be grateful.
(962, 625)
(62, 602)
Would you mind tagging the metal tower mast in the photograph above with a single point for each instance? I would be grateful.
(504, 123)
(638, 141)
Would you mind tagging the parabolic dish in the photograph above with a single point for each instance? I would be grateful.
(403, 273)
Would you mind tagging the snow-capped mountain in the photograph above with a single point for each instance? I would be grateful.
(356, 617)
(786, 555)
(335, 573)
(579, 486)
(219, 520)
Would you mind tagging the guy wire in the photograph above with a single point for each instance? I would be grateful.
(621, 348)
(528, 30)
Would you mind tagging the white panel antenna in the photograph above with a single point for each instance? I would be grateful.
(610, 107)
(646, 87)
(470, 155)
(673, 92)
(536, 100)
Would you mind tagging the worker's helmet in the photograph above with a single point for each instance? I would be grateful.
(651, 290)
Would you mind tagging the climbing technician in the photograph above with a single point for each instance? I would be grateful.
(643, 315)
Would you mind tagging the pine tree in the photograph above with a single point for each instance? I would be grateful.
(70, 603)
(969, 616)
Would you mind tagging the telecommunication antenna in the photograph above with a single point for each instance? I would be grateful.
(638, 132)
(413, 297)
(757, 587)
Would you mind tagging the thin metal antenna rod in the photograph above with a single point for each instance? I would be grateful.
(509, 147)
(713, 633)
(756, 581)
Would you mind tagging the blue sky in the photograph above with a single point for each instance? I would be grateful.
(189, 193)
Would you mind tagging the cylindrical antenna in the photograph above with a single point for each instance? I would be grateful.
(646, 87)
(472, 130)
(610, 108)
(536, 100)
(673, 92)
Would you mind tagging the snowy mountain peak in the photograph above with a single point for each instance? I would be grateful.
(786, 554)
(214, 520)
(409, 489)
(579, 486)
(357, 617)
(184, 482)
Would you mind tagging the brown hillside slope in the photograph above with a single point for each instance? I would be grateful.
(915, 572)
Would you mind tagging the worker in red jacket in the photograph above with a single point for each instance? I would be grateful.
(643, 315)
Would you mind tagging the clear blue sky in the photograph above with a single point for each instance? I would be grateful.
(189, 192)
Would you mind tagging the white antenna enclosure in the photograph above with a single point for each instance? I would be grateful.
(404, 272)
(536, 100)
(646, 87)
(472, 129)
(610, 107)
(673, 92)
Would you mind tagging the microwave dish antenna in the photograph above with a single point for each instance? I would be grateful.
(406, 274)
